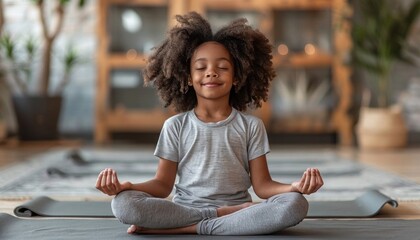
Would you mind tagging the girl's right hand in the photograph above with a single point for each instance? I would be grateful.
(108, 183)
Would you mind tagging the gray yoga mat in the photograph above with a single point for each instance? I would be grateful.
(13, 228)
(149, 170)
(85, 157)
(366, 205)
(132, 164)
(47, 207)
(73, 171)
(282, 165)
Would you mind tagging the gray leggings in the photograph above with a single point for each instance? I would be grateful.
(274, 214)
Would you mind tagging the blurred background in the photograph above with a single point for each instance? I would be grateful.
(98, 51)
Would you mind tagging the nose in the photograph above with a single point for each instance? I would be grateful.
(212, 74)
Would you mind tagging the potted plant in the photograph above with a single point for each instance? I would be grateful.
(380, 38)
(37, 111)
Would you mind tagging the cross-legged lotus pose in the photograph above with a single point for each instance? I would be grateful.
(217, 151)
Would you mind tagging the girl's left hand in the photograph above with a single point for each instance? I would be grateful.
(310, 182)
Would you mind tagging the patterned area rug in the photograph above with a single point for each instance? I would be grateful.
(65, 173)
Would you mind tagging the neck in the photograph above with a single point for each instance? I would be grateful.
(212, 112)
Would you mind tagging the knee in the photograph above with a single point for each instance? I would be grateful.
(124, 204)
(297, 206)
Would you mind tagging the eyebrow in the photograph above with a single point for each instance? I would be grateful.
(217, 59)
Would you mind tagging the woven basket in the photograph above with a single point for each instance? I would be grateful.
(381, 128)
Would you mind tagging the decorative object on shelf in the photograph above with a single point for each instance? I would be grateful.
(380, 38)
(39, 124)
(299, 106)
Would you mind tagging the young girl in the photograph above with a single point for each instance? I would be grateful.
(217, 151)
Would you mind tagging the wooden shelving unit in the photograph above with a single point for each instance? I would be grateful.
(121, 119)
(264, 14)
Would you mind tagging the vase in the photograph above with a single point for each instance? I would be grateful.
(381, 128)
(37, 117)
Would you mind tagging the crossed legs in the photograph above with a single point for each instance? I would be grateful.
(152, 215)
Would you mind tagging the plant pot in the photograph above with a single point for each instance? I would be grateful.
(37, 117)
(381, 128)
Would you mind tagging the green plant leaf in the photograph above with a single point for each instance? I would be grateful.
(381, 36)
(82, 3)
(8, 45)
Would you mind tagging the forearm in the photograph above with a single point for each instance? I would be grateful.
(270, 188)
(153, 187)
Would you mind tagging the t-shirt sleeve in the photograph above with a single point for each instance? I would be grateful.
(258, 144)
(167, 145)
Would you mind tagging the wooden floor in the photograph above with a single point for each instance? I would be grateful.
(404, 162)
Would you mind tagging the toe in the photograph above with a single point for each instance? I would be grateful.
(132, 229)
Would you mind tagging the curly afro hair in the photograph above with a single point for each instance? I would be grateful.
(168, 67)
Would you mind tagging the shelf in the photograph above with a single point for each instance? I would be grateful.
(301, 60)
(120, 60)
(236, 5)
(139, 2)
(145, 121)
(301, 124)
(306, 128)
(304, 30)
(301, 4)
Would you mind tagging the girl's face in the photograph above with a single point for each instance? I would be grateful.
(211, 72)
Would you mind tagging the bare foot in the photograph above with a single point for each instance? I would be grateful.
(222, 211)
(182, 230)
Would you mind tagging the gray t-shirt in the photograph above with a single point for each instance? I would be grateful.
(212, 158)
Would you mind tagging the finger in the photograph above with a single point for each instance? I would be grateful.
(302, 181)
(312, 185)
(104, 180)
(109, 184)
(320, 182)
(307, 181)
(116, 178)
(115, 182)
(99, 180)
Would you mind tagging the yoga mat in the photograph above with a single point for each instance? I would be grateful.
(366, 205)
(82, 172)
(85, 157)
(79, 165)
(29, 178)
(47, 207)
(150, 170)
(13, 228)
(79, 158)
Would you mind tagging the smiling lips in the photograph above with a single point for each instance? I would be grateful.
(211, 84)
